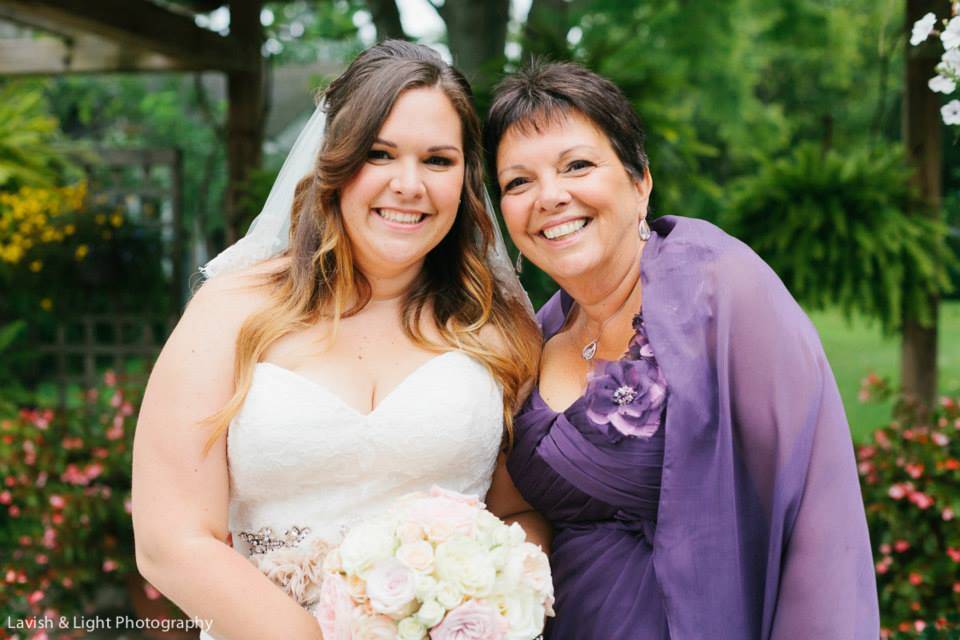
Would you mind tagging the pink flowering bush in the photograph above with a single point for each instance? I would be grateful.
(910, 476)
(65, 529)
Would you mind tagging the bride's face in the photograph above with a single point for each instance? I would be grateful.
(404, 200)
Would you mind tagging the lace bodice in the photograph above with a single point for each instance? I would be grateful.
(304, 464)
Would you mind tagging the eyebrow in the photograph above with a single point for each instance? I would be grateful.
(559, 155)
(433, 149)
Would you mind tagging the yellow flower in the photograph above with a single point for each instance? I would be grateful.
(69, 229)
(13, 254)
(46, 304)
(81, 252)
(116, 220)
(36, 266)
(100, 218)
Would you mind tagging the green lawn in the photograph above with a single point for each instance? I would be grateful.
(857, 349)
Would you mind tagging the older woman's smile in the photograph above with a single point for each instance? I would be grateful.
(563, 229)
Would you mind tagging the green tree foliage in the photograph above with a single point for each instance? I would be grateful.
(833, 226)
(153, 111)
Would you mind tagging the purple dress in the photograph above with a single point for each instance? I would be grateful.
(704, 487)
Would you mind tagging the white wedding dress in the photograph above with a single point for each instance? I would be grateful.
(304, 464)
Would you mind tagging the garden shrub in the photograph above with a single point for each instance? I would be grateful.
(910, 477)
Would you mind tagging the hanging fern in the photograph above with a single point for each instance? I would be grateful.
(834, 227)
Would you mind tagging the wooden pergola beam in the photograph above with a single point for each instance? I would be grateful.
(135, 25)
(48, 56)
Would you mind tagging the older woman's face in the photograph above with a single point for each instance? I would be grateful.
(570, 205)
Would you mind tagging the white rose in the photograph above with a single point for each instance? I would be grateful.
(466, 564)
(528, 566)
(391, 588)
(363, 545)
(488, 526)
(425, 586)
(499, 556)
(374, 628)
(448, 595)
(431, 613)
(517, 534)
(523, 612)
(417, 555)
(411, 629)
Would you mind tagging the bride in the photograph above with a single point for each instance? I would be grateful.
(308, 386)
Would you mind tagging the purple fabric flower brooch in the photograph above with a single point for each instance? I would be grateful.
(625, 397)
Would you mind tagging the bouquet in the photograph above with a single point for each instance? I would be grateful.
(438, 565)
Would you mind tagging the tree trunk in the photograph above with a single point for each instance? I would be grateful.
(477, 34)
(545, 32)
(386, 18)
(246, 111)
(923, 139)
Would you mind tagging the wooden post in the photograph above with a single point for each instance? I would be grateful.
(245, 116)
(922, 136)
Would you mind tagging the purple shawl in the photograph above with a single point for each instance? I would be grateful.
(761, 531)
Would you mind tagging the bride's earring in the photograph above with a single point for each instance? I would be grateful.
(518, 264)
(644, 229)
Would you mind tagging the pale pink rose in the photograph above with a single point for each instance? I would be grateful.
(463, 498)
(335, 610)
(535, 568)
(391, 587)
(473, 620)
(417, 555)
(442, 517)
(57, 502)
(374, 628)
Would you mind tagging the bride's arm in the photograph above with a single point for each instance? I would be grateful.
(181, 495)
(504, 501)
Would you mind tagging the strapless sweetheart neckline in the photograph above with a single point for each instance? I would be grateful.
(317, 385)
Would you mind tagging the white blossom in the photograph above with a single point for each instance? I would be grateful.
(951, 112)
(942, 84)
(950, 62)
(951, 35)
(922, 29)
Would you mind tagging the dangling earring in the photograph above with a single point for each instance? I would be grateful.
(644, 229)
(518, 264)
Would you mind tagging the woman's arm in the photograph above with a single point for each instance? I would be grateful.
(504, 501)
(794, 441)
(181, 495)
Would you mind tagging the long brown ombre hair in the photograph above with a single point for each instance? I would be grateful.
(321, 280)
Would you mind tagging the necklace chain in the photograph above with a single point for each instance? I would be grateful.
(590, 349)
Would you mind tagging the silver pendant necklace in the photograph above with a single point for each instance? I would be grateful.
(590, 350)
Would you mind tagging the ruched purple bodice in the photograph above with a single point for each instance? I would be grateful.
(599, 485)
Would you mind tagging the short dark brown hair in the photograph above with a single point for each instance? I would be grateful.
(546, 92)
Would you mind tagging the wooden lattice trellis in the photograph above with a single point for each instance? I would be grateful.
(147, 185)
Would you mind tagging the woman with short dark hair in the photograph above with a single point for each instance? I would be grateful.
(685, 438)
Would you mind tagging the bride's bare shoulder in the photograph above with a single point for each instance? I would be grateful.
(237, 293)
